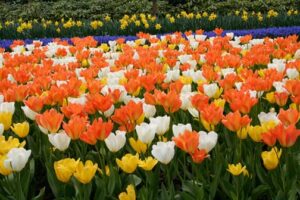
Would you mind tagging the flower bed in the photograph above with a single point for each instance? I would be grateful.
(185, 117)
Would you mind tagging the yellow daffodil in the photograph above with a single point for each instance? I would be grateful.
(148, 163)
(129, 194)
(138, 145)
(128, 163)
(237, 169)
(21, 129)
(85, 173)
(271, 158)
(6, 119)
(65, 168)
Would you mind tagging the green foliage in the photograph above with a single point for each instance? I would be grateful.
(92, 9)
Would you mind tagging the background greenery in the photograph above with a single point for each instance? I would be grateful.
(93, 9)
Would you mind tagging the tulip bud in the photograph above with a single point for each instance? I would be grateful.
(207, 141)
(60, 140)
(271, 158)
(28, 112)
(115, 142)
(146, 132)
(163, 151)
(180, 128)
(162, 124)
(17, 159)
(21, 129)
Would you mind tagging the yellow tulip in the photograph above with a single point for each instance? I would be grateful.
(242, 133)
(270, 97)
(128, 163)
(85, 173)
(237, 169)
(148, 163)
(21, 129)
(271, 158)
(65, 168)
(255, 132)
(3, 170)
(129, 194)
(6, 119)
(6, 145)
(138, 145)
(220, 102)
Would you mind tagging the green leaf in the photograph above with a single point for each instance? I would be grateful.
(259, 191)
(40, 196)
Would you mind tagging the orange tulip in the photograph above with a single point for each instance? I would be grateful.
(286, 136)
(199, 155)
(289, 117)
(171, 101)
(75, 127)
(73, 109)
(281, 98)
(50, 120)
(34, 103)
(269, 138)
(187, 141)
(212, 114)
(234, 121)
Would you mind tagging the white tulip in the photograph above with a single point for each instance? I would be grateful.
(297, 54)
(194, 112)
(28, 112)
(1, 98)
(163, 151)
(146, 132)
(268, 117)
(162, 124)
(149, 110)
(180, 128)
(60, 140)
(7, 107)
(210, 89)
(16, 159)
(110, 111)
(292, 73)
(115, 142)
(1, 129)
(207, 141)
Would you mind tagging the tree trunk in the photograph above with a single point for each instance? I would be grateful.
(154, 7)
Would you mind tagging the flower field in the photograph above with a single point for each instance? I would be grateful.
(180, 116)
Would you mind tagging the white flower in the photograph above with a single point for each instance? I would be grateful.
(1, 129)
(17, 159)
(60, 140)
(210, 89)
(28, 112)
(297, 54)
(292, 73)
(278, 66)
(79, 100)
(163, 151)
(207, 141)
(115, 142)
(1, 98)
(180, 128)
(172, 75)
(149, 110)
(7, 107)
(194, 112)
(268, 117)
(146, 132)
(186, 100)
(110, 111)
(162, 124)
(227, 71)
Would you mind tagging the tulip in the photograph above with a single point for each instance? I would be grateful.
(7, 107)
(129, 194)
(60, 140)
(6, 119)
(1, 129)
(207, 141)
(146, 132)
(149, 110)
(17, 159)
(21, 129)
(271, 158)
(212, 90)
(180, 128)
(75, 127)
(50, 120)
(85, 173)
(163, 151)
(65, 168)
(237, 169)
(3, 170)
(162, 124)
(128, 163)
(199, 155)
(8, 144)
(29, 113)
(188, 141)
(115, 142)
(138, 145)
(255, 133)
(147, 164)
